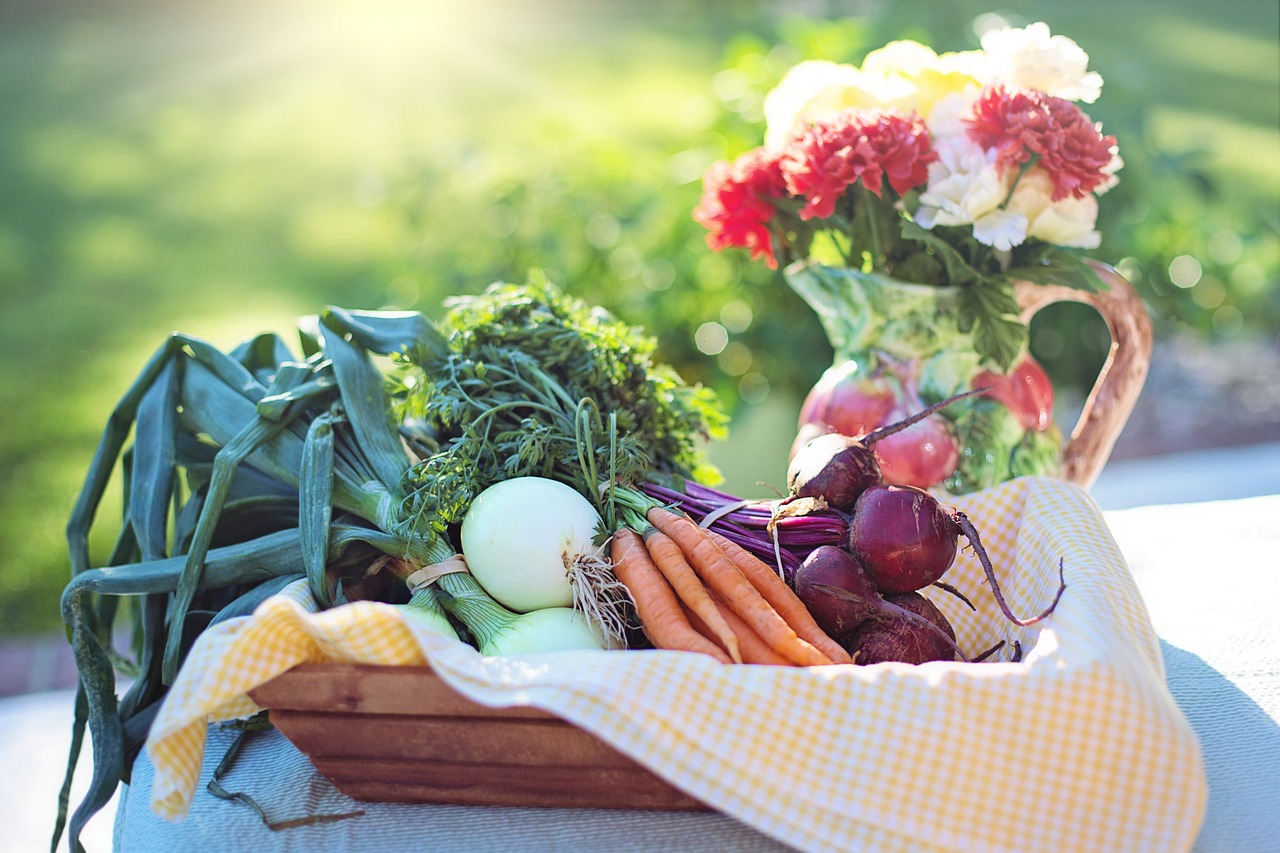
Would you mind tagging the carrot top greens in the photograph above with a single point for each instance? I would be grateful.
(533, 382)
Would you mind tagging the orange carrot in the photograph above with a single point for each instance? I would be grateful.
(659, 610)
(666, 555)
(721, 575)
(781, 598)
(754, 649)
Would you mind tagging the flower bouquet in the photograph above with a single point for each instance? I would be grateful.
(909, 199)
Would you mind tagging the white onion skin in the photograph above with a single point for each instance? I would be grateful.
(551, 629)
(520, 536)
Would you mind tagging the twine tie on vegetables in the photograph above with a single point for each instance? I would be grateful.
(427, 575)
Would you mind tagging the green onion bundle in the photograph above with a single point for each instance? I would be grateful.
(247, 470)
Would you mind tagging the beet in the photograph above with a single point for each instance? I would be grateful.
(845, 604)
(836, 590)
(834, 467)
(903, 639)
(838, 468)
(903, 537)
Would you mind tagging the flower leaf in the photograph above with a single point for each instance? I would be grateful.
(1060, 267)
(989, 309)
(959, 270)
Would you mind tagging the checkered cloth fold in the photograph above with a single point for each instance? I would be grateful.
(1079, 746)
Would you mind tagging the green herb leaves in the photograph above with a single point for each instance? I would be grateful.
(534, 382)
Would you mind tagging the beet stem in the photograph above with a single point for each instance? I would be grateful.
(889, 429)
(943, 585)
(988, 653)
(971, 533)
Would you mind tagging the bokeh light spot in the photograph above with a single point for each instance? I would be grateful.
(736, 358)
(753, 388)
(1185, 271)
(711, 338)
(736, 315)
(1228, 321)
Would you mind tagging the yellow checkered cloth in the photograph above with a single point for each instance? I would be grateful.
(1077, 747)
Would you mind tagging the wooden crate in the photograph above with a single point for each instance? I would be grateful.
(399, 734)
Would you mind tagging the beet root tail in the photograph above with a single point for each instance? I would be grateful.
(971, 533)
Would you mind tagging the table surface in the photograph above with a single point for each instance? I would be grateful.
(1206, 559)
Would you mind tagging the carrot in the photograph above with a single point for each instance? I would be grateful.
(754, 649)
(659, 610)
(721, 575)
(666, 555)
(781, 598)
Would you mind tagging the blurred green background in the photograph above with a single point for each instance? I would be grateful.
(221, 169)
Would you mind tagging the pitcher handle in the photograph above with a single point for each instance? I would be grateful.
(1119, 381)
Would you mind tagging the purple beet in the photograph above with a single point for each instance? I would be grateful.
(845, 604)
(903, 639)
(838, 468)
(903, 537)
(834, 467)
(836, 590)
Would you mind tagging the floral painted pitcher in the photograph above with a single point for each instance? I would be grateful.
(977, 175)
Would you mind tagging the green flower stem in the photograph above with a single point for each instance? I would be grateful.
(877, 250)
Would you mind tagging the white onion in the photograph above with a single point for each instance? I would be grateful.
(522, 536)
(551, 629)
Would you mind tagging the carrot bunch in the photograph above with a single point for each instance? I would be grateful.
(694, 590)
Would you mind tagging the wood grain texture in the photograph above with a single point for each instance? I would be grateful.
(401, 735)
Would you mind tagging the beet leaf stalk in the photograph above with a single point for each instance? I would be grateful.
(971, 533)
(778, 539)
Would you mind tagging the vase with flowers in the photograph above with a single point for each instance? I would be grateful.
(926, 206)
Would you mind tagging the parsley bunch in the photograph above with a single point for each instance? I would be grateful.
(533, 382)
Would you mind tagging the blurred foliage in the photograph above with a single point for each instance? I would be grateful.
(221, 169)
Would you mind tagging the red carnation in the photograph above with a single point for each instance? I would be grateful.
(737, 203)
(903, 150)
(830, 156)
(1021, 124)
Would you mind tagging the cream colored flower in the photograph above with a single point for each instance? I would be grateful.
(1110, 170)
(1031, 58)
(947, 117)
(1067, 222)
(814, 90)
(918, 79)
(1001, 229)
(966, 188)
(903, 58)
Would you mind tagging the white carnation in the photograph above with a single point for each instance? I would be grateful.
(966, 188)
(947, 117)
(1001, 229)
(1031, 58)
(1115, 165)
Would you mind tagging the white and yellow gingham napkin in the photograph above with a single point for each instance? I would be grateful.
(1077, 747)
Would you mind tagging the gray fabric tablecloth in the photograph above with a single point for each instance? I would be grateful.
(1210, 573)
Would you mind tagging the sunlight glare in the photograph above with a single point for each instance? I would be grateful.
(398, 36)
